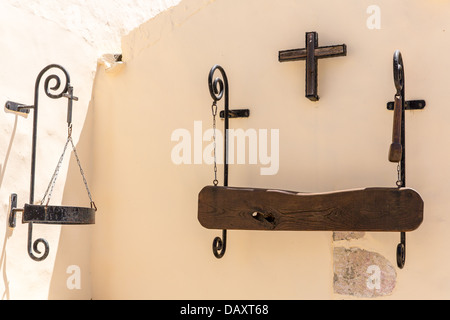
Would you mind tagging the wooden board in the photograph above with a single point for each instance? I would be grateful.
(370, 209)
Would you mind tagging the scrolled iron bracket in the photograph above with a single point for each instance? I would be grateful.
(397, 149)
(399, 82)
(55, 88)
(218, 89)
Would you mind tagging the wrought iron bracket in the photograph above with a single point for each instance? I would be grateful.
(218, 89)
(397, 149)
(237, 113)
(18, 107)
(13, 210)
(409, 105)
(45, 214)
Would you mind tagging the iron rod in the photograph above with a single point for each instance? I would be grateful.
(218, 88)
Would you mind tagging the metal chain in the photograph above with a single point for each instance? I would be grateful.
(82, 174)
(214, 113)
(51, 185)
(55, 174)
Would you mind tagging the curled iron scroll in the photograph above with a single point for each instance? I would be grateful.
(34, 248)
(399, 72)
(53, 77)
(217, 86)
(220, 245)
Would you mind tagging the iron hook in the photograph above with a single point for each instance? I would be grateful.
(220, 245)
(35, 245)
(401, 251)
(399, 72)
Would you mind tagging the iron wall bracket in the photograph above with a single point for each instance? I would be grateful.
(397, 149)
(218, 89)
(13, 210)
(237, 113)
(45, 214)
(18, 107)
(409, 105)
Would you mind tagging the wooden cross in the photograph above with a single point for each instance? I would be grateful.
(311, 53)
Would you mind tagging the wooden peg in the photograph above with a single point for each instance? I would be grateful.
(395, 151)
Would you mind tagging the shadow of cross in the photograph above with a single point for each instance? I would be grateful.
(311, 54)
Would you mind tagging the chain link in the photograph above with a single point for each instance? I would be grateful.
(55, 174)
(82, 174)
(399, 182)
(51, 185)
(214, 114)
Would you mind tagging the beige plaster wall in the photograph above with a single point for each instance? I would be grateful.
(33, 34)
(148, 244)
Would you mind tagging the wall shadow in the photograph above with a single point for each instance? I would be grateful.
(71, 273)
(8, 231)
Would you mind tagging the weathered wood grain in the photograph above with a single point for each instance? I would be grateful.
(311, 53)
(370, 209)
(321, 52)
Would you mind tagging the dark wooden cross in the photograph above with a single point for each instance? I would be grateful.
(311, 53)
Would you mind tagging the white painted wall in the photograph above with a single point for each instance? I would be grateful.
(101, 24)
(148, 243)
(33, 34)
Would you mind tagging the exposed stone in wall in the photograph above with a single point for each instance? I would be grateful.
(362, 273)
(338, 236)
(358, 272)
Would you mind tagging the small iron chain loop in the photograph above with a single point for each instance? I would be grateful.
(399, 176)
(214, 114)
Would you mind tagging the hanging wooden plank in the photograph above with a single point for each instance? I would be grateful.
(370, 209)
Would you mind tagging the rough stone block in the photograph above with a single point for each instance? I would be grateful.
(362, 273)
(339, 236)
